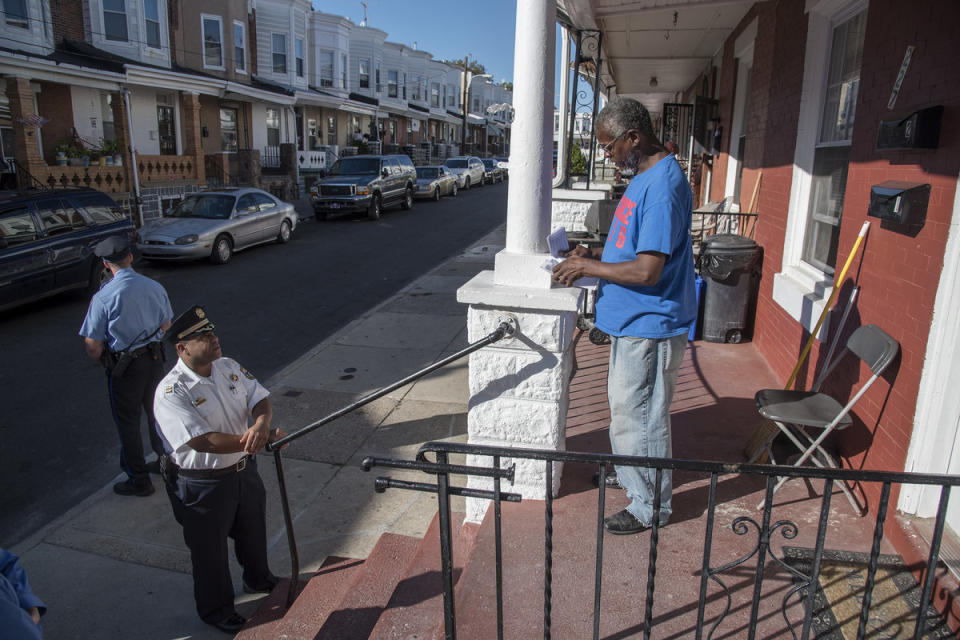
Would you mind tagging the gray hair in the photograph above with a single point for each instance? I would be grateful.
(623, 114)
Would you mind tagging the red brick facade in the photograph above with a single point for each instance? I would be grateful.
(898, 271)
(67, 18)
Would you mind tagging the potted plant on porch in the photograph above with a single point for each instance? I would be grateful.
(62, 150)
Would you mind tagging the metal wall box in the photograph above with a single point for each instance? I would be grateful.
(919, 130)
(899, 202)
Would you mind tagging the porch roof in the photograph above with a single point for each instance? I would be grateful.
(672, 41)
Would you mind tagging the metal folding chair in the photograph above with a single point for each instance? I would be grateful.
(799, 413)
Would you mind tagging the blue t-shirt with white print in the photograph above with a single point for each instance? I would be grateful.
(653, 215)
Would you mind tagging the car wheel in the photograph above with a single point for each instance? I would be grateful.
(407, 203)
(285, 231)
(466, 183)
(436, 194)
(375, 208)
(453, 190)
(100, 274)
(222, 250)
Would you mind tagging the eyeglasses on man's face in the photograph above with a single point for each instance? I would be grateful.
(608, 148)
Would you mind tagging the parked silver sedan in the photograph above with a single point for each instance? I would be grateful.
(214, 224)
(433, 182)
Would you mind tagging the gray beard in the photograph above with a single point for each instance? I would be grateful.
(630, 163)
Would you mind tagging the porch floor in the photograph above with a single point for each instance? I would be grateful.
(713, 416)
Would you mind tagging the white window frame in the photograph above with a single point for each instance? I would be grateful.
(159, 22)
(435, 93)
(126, 21)
(300, 57)
(243, 48)
(274, 53)
(326, 81)
(203, 40)
(799, 288)
(361, 74)
(20, 24)
(393, 84)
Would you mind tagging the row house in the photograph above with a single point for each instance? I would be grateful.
(152, 99)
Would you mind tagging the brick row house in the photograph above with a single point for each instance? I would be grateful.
(267, 93)
(820, 101)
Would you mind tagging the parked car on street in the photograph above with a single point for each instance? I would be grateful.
(504, 163)
(492, 172)
(365, 183)
(215, 224)
(433, 182)
(468, 169)
(47, 240)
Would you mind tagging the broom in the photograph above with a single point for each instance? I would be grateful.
(768, 428)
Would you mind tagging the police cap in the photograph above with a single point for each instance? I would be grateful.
(113, 249)
(189, 324)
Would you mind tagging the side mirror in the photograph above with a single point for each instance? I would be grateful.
(385, 172)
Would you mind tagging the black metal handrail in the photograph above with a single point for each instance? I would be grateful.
(24, 176)
(805, 584)
(507, 327)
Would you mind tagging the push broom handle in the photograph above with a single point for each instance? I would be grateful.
(826, 308)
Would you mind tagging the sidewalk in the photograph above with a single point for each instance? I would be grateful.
(117, 567)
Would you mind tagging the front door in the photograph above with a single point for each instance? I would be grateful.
(166, 131)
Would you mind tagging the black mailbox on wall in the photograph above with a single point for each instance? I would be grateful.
(899, 202)
(919, 130)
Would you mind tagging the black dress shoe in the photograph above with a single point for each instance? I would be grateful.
(231, 624)
(265, 587)
(130, 488)
(623, 523)
(611, 481)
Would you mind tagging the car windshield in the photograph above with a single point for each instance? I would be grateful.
(216, 207)
(456, 164)
(355, 166)
(427, 172)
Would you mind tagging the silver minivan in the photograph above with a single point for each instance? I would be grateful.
(468, 169)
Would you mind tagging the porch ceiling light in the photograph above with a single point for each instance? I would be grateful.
(653, 81)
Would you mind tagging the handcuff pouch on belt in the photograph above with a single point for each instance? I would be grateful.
(168, 470)
(116, 362)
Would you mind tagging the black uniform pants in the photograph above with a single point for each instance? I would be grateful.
(131, 393)
(210, 511)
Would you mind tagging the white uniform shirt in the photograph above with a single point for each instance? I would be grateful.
(188, 405)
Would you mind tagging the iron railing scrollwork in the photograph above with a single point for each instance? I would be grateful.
(804, 587)
(588, 61)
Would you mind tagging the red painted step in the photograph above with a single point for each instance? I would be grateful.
(415, 609)
(311, 608)
(369, 593)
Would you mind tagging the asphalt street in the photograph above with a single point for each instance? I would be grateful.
(270, 303)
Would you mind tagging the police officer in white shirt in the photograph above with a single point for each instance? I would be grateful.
(214, 416)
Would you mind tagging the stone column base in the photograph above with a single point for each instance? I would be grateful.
(519, 386)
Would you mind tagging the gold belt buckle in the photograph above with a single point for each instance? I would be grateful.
(242, 464)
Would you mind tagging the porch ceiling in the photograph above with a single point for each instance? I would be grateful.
(671, 40)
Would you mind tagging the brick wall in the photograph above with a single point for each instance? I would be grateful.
(898, 271)
(55, 103)
(67, 18)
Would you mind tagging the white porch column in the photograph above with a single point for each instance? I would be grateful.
(519, 386)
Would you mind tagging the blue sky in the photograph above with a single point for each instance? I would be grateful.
(448, 30)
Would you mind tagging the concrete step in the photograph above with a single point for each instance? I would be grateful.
(368, 594)
(415, 609)
(317, 598)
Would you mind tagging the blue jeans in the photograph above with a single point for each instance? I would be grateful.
(640, 384)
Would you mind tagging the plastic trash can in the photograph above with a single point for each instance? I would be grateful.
(729, 265)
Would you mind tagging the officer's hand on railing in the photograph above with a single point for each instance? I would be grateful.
(276, 434)
(255, 437)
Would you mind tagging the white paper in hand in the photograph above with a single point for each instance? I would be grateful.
(557, 242)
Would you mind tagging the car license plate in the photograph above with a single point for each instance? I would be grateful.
(334, 205)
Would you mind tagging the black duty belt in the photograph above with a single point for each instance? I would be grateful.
(214, 473)
(139, 351)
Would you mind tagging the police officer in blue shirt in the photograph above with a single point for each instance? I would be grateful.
(124, 329)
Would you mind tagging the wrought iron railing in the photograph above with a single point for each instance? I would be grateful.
(507, 327)
(25, 179)
(805, 585)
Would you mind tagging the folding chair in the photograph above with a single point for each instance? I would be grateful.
(797, 413)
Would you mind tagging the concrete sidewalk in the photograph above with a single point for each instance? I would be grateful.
(117, 567)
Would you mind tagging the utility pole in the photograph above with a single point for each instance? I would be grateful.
(466, 105)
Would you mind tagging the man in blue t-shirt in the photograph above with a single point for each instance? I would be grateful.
(646, 302)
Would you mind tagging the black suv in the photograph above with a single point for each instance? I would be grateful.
(47, 240)
(365, 183)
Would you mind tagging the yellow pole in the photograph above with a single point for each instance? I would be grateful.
(829, 305)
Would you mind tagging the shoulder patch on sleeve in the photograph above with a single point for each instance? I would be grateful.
(247, 374)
